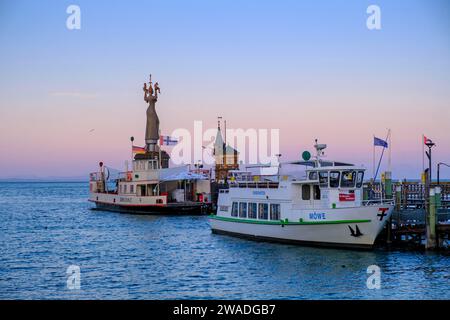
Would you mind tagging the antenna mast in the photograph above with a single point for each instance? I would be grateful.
(319, 151)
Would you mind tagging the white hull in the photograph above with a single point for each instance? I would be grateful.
(335, 232)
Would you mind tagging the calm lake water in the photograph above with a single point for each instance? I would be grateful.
(46, 227)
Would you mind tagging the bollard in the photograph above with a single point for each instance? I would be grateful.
(431, 221)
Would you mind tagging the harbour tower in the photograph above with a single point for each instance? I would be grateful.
(226, 157)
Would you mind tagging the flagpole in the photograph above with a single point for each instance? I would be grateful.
(379, 163)
(423, 152)
(373, 162)
(131, 139)
(382, 153)
(390, 149)
(160, 150)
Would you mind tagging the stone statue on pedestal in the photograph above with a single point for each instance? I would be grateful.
(152, 126)
(152, 150)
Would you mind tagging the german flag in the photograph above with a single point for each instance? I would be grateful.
(138, 149)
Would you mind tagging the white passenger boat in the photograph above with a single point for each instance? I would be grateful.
(150, 186)
(150, 189)
(323, 205)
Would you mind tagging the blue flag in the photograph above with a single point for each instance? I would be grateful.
(379, 142)
(168, 141)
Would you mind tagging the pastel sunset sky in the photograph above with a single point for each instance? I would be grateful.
(72, 98)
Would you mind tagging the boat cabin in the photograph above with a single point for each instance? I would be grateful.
(157, 185)
(330, 187)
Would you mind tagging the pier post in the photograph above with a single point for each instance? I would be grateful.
(438, 204)
(398, 197)
(398, 207)
(388, 185)
(389, 231)
(438, 200)
(366, 193)
(388, 195)
(431, 221)
(404, 195)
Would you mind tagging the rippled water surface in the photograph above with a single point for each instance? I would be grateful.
(46, 227)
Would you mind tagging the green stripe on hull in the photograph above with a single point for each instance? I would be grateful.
(281, 222)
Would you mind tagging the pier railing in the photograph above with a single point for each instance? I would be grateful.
(408, 195)
(422, 212)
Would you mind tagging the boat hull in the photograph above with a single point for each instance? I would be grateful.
(355, 233)
(152, 205)
(169, 209)
(294, 242)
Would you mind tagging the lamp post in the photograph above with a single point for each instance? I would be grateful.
(438, 169)
(430, 144)
(132, 143)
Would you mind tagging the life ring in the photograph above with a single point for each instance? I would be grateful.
(128, 176)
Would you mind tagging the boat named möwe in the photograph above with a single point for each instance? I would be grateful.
(322, 205)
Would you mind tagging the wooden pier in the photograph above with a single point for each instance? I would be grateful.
(422, 214)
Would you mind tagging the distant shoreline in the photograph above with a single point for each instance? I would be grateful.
(69, 180)
(42, 181)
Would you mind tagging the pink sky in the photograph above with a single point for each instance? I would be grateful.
(310, 69)
(67, 134)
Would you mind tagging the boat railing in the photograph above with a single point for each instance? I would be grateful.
(125, 176)
(205, 172)
(379, 201)
(96, 176)
(254, 184)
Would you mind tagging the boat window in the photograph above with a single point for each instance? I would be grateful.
(263, 211)
(306, 192)
(132, 189)
(152, 165)
(125, 189)
(359, 179)
(316, 192)
(252, 210)
(348, 179)
(274, 211)
(139, 165)
(313, 175)
(243, 209)
(334, 179)
(323, 179)
(234, 209)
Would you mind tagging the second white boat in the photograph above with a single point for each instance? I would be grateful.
(322, 206)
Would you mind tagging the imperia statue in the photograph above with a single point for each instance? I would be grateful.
(152, 127)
